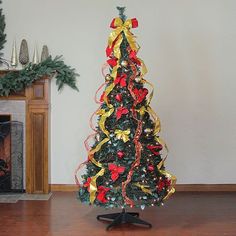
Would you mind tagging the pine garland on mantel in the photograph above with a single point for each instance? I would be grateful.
(15, 81)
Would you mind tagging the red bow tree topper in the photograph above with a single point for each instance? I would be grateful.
(115, 171)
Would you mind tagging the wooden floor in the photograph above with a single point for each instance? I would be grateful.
(183, 214)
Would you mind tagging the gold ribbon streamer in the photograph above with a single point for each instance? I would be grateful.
(173, 179)
(122, 134)
(144, 188)
(143, 68)
(114, 71)
(157, 122)
(104, 116)
(93, 185)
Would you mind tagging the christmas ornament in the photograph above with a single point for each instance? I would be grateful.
(24, 53)
(138, 79)
(14, 61)
(151, 167)
(120, 154)
(35, 56)
(124, 63)
(108, 77)
(45, 53)
(118, 97)
(148, 130)
(121, 111)
(115, 171)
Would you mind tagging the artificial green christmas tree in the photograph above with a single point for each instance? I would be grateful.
(125, 166)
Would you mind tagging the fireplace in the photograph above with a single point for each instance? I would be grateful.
(26, 121)
(11, 155)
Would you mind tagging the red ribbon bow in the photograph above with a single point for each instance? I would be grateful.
(87, 183)
(153, 148)
(102, 191)
(115, 171)
(121, 111)
(140, 94)
(121, 80)
(112, 62)
(133, 57)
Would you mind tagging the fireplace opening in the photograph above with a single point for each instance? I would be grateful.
(11, 155)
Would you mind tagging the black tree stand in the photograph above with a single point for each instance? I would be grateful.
(123, 217)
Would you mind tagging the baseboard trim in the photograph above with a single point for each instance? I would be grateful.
(64, 187)
(178, 187)
(206, 187)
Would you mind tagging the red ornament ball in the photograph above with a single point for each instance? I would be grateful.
(151, 167)
(118, 97)
(120, 154)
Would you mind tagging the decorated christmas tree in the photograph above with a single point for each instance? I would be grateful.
(125, 165)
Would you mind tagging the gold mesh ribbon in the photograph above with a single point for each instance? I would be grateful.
(172, 178)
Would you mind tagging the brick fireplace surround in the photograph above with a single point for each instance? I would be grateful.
(37, 119)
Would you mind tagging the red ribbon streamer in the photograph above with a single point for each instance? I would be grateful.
(138, 145)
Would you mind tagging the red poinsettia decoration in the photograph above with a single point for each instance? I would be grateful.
(140, 94)
(121, 80)
(115, 171)
(155, 148)
(163, 183)
(102, 191)
(87, 183)
(121, 111)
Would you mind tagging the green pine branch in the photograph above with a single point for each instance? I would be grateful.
(15, 81)
(2, 28)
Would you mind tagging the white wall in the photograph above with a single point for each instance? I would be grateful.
(190, 50)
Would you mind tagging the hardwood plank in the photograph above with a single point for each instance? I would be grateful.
(179, 187)
(186, 213)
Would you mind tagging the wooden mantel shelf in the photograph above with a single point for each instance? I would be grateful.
(37, 102)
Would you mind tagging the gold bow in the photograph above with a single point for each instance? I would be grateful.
(143, 188)
(122, 134)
